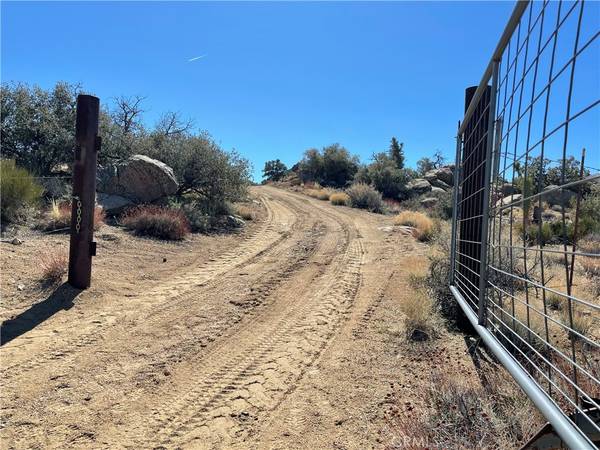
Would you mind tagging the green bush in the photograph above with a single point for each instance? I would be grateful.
(18, 190)
(548, 233)
(203, 217)
(443, 209)
(364, 196)
(215, 176)
(387, 178)
(38, 125)
(332, 166)
(589, 212)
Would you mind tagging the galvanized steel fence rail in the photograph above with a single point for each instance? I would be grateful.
(525, 259)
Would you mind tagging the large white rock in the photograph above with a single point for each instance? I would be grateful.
(140, 179)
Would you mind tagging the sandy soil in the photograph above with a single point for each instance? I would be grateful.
(287, 335)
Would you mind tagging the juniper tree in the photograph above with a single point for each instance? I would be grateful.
(397, 153)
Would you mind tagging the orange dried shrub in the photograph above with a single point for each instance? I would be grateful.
(54, 266)
(157, 221)
(59, 216)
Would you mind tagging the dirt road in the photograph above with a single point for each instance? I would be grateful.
(286, 337)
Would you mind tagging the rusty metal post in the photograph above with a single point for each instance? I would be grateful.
(87, 145)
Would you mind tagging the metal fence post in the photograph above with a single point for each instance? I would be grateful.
(455, 207)
(82, 247)
(483, 267)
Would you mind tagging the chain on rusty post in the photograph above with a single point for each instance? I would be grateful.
(82, 247)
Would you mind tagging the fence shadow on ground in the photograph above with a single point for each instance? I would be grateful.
(60, 299)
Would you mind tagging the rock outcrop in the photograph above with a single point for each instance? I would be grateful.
(556, 196)
(418, 186)
(139, 179)
(444, 174)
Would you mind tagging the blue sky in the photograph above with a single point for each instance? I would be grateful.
(276, 78)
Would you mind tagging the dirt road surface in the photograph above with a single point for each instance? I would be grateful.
(286, 336)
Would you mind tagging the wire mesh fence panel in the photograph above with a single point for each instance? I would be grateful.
(526, 230)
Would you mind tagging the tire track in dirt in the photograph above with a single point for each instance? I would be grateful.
(239, 370)
(301, 289)
(259, 295)
(290, 340)
(292, 257)
(251, 248)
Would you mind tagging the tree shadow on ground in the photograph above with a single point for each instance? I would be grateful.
(60, 299)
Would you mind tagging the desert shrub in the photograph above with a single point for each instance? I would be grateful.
(385, 176)
(591, 264)
(332, 166)
(412, 203)
(582, 324)
(274, 170)
(339, 198)
(533, 236)
(443, 209)
(245, 212)
(318, 193)
(364, 196)
(589, 212)
(157, 221)
(54, 266)
(520, 334)
(99, 217)
(437, 282)
(591, 244)
(37, 125)
(462, 414)
(199, 221)
(205, 170)
(555, 301)
(18, 191)
(205, 217)
(392, 206)
(425, 228)
(58, 216)
(421, 317)
(323, 194)
(56, 188)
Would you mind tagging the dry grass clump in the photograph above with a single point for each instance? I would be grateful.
(59, 216)
(422, 320)
(245, 212)
(318, 193)
(339, 198)
(555, 301)
(54, 266)
(424, 227)
(462, 414)
(523, 331)
(582, 323)
(157, 221)
(591, 264)
(392, 206)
